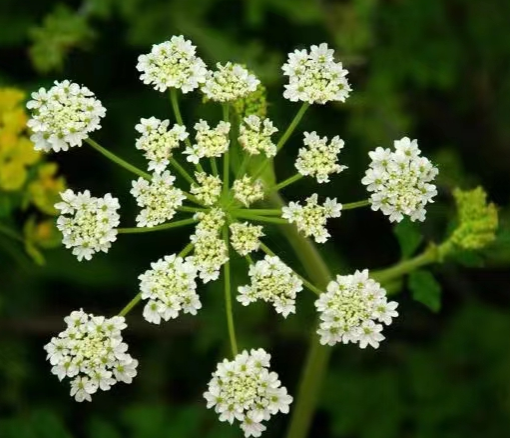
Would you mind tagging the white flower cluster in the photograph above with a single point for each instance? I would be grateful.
(210, 251)
(246, 191)
(208, 190)
(170, 287)
(157, 141)
(245, 390)
(158, 198)
(229, 82)
(172, 64)
(91, 352)
(319, 159)
(351, 308)
(311, 218)
(244, 237)
(91, 224)
(63, 116)
(400, 181)
(255, 136)
(210, 142)
(274, 282)
(315, 77)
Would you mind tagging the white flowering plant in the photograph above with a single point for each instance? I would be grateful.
(212, 175)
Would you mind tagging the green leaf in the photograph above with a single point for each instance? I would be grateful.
(409, 237)
(425, 289)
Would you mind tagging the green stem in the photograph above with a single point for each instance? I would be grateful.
(192, 209)
(174, 99)
(308, 285)
(253, 217)
(182, 171)
(352, 205)
(430, 255)
(117, 160)
(284, 137)
(226, 155)
(318, 356)
(292, 126)
(228, 299)
(138, 230)
(286, 182)
(214, 166)
(129, 306)
(257, 211)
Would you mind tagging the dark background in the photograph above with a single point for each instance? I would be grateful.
(434, 70)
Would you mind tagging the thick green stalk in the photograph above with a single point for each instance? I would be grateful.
(117, 160)
(430, 255)
(318, 356)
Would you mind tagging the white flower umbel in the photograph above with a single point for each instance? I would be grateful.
(170, 287)
(245, 390)
(255, 136)
(158, 198)
(209, 250)
(210, 221)
(172, 64)
(274, 282)
(210, 142)
(244, 237)
(401, 181)
(157, 141)
(246, 191)
(91, 352)
(229, 82)
(209, 254)
(351, 309)
(311, 218)
(88, 224)
(315, 77)
(208, 190)
(319, 159)
(63, 116)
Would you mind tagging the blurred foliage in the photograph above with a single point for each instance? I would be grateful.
(432, 70)
(28, 184)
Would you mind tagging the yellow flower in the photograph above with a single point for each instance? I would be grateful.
(10, 98)
(14, 121)
(12, 176)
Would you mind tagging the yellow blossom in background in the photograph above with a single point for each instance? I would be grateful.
(26, 179)
(16, 150)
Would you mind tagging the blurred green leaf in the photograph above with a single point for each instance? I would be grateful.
(425, 289)
(409, 237)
